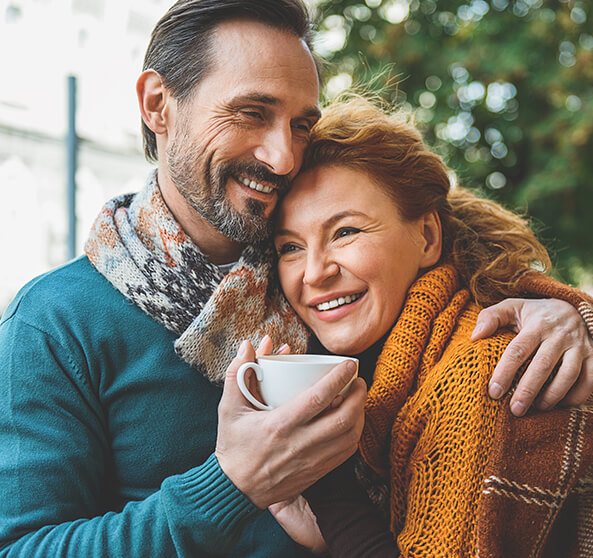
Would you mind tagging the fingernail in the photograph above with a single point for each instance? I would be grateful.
(495, 390)
(243, 348)
(477, 330)
(543, 405)
(264, 339)
(280, 349)
(518, 409)
(337, 402)
(350, 366)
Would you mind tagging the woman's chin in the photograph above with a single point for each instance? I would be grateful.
(343, 347)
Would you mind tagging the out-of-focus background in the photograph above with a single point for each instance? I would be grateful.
(502, 88)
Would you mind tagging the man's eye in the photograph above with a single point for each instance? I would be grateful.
(346, 231)
(252, 114)
(302, 126)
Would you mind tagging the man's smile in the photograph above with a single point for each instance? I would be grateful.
(257, 186)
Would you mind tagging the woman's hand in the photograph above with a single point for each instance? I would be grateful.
(297, 519)
(555, 334)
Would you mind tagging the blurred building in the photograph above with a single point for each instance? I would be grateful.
(102, 43)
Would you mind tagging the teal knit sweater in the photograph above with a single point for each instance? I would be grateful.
(107, 437)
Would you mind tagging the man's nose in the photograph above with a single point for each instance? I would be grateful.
(319, 267)
(276, 150)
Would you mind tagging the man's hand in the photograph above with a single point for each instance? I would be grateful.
(274, 455)
(554, 333)
(297, 519)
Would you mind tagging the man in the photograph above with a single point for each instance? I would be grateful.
(112, 443)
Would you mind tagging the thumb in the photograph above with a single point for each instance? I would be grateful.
(493, 318)
(231, 393)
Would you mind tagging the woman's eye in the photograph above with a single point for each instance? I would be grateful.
(346, 231)
(287, 248)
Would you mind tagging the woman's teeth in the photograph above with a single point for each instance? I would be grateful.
(256, 185)
(340, 301)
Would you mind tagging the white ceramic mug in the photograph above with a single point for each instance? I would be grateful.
(283, 377)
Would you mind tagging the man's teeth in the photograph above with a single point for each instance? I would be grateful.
(331, 304)
(256, 186)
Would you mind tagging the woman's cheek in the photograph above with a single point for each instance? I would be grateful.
(289, 282)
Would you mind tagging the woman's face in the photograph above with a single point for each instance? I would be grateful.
(346, 257)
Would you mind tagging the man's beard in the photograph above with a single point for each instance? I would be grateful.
(204, 188)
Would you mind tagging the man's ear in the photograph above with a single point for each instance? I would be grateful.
(154, 100)
(433, 238)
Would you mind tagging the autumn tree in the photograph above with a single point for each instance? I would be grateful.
(503, 89)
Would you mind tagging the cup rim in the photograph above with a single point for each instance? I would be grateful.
(307, 358)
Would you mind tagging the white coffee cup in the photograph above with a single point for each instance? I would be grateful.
(283, 377)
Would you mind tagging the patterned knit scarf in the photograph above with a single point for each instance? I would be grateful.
(139, 247)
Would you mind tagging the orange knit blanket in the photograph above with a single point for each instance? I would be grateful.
(457, 460)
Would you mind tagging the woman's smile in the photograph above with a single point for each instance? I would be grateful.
(337, 306)
(346, 258)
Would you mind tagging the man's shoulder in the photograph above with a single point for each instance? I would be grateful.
(79, 309)
(75, 286)
(75, 298)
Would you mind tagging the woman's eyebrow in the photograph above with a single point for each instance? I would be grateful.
(342, 215)
(327, 223)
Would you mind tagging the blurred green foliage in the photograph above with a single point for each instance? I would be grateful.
(503, 90)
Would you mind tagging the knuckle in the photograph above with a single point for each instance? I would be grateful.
(525, 393)
(517, 352)
(342, 425)
(316, 401)
(546, 363)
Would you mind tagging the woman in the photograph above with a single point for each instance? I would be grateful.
(378, 256)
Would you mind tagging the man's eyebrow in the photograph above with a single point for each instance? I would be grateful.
(310, 112)
(327, 223)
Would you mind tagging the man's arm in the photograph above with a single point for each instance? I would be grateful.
(556, 337)
(55, 460)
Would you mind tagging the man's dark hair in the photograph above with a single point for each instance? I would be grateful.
(180, 47)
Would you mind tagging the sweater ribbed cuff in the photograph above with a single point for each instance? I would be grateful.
(209, 489)
(206, 511)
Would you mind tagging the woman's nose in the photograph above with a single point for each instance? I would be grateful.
(319, 268)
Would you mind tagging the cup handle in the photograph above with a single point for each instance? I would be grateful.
(243, 387)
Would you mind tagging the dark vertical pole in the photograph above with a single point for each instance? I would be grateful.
(72, 149)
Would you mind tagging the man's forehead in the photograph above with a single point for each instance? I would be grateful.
(263, 50)
(258, 63)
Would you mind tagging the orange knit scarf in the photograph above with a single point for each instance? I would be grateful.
(467, 478)
(429, 421)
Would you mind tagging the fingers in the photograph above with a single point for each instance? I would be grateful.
(565, 378)
(339, 428)
(514, 356)
(496, 316)
(582, 389)
(231, 394)
(265, 346)
(283, 350)
(545, 360)
(319, 397)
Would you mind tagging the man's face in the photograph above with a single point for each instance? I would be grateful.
(241, 136)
